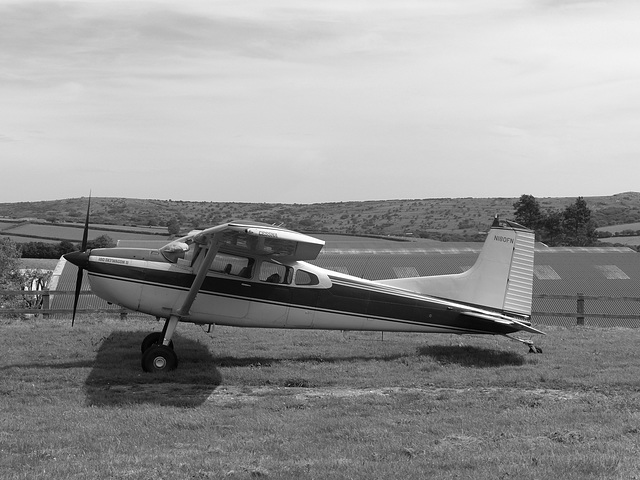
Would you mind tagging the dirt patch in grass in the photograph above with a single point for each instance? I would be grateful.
(229, 394)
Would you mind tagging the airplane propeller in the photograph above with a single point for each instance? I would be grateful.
(80, 258)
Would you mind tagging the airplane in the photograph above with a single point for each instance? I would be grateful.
(249, 274)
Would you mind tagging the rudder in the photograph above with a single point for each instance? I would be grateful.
(501, 278)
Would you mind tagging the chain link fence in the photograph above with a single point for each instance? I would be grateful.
(591, 310)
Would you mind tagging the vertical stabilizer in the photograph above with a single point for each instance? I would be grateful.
(501, 278)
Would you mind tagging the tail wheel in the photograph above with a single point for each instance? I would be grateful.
(153, 339)
(159, 358)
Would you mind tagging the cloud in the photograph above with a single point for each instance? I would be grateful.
(327, 101)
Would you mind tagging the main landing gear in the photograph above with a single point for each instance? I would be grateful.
(157, 349)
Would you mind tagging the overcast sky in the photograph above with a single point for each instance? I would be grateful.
(303, 102)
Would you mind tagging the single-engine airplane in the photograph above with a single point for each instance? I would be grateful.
(250, 274)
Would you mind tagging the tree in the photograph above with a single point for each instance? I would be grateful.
(579, 229)
(65, 247)
(46, 250)
(173, 226)
(9, 262)
(571, 227)
(103, 241)
(527, 212)
(9, 270)
(551, 231)
(38, 250)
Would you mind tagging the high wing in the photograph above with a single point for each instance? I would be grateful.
(235, 237)
(255, 239)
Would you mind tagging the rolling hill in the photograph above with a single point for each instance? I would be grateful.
(451, 218)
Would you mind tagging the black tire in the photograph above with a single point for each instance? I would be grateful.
(159, 358)
(152, 339)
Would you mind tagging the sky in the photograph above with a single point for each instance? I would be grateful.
(290, 101)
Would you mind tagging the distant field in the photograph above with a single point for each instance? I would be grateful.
(631, 241)
(620, 228)
(39, 263)
(56, 233)
(248, 404)
(129, 228)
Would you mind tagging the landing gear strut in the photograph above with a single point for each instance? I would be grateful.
(153, 339)
(159, 356)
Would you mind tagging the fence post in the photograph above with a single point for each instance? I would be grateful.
(580, 309)
(45, 302)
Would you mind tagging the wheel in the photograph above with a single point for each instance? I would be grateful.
(152, 339)
(159, 358)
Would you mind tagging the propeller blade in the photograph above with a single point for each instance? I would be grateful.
(85, 235)
(77, 295)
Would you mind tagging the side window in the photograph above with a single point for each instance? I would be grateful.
(232, 265)
(306, 278)
(274, 273)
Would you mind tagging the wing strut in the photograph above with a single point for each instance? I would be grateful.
(183, 310)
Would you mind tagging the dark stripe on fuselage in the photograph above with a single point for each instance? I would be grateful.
(346, 296)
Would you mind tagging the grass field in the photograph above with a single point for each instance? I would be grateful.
(629, 241)
(621, 227)
(293, 404)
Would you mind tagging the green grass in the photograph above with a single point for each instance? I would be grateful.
(249, 403)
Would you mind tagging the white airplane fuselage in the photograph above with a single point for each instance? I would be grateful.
(143, 280)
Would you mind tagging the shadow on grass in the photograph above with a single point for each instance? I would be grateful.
(117, 377)
(50, 365)
(468, 356)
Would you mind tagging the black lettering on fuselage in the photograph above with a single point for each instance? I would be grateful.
(500, 238)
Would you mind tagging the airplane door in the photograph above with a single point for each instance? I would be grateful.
(223, 299)
(304, 300)
(270, 296)
(269, 306)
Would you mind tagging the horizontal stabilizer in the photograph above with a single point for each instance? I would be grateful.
(503, 319)
(528, 328)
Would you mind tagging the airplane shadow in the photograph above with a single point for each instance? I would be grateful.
(469, 356)
(117, 378)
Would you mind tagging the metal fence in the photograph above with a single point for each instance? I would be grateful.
(592, 310)
(37, 302)
(560, 310)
